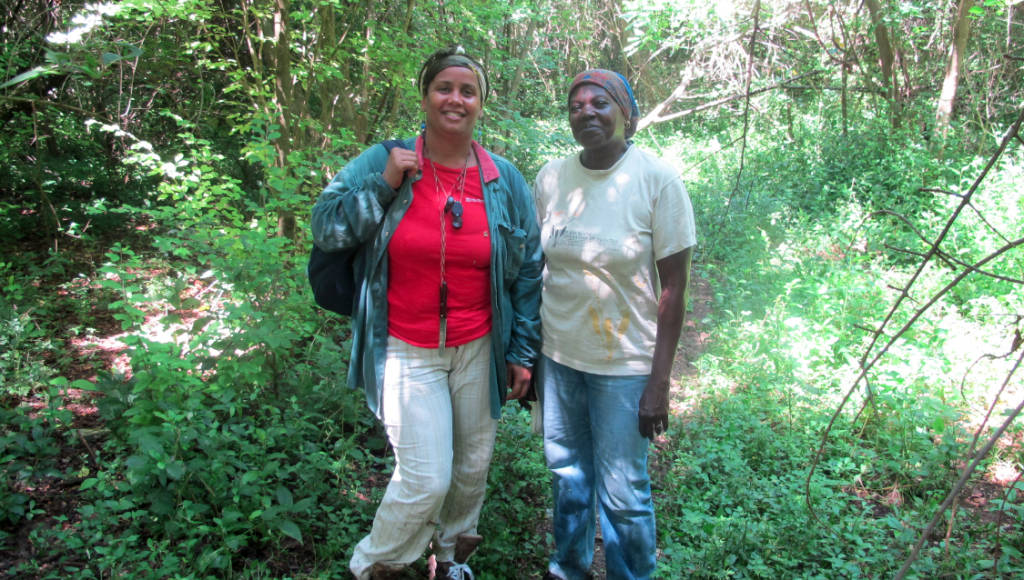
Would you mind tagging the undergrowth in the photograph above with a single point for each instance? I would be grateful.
(233, 450)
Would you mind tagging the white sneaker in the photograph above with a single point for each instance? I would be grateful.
(459, 572)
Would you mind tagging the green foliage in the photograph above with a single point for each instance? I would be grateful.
(28, 450)
(518, 497)
(24, 338)
(22, 348)
(166, 145)
(799, 276)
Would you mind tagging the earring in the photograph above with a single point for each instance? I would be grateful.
(627, 124)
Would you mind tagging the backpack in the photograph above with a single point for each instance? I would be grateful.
(337, 277)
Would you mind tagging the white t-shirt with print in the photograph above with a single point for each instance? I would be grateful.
(602, 232)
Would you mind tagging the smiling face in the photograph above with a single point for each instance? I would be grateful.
(596, 120)
(453, 103)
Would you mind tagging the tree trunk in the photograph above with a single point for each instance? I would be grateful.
(886, 58)
(500, 145)
(393, 92)
(961, 30)
(280, 58)
(362, 127)
(620, 32)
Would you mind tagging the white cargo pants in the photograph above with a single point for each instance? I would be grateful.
(437, 412)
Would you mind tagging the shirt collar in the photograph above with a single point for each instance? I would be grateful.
(487, 166)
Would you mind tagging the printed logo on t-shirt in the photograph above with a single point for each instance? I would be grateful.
(578, 239)
(473, 200)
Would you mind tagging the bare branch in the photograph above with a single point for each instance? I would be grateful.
(655, 115)
(955, 492)
(864, 328)
(58, 106)
(866, 366)
(746, 117)
(911, 252)
(938, 190)
(810, 88)
(995, 401)
(944, 255)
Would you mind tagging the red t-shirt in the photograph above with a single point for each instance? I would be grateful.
(414, 264)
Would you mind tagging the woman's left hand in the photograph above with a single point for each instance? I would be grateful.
(518, 380)
(654, 409)
(674, 273)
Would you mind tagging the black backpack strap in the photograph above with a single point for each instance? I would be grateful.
(337, 277)
(393, 144)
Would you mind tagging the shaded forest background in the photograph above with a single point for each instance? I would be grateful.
(847, 404)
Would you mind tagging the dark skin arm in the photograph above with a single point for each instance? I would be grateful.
(674, 273)
(518, 380)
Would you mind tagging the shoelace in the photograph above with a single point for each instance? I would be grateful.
(460, 572)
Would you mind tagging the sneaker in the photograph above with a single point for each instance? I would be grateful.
(465, 545)
(453, 571)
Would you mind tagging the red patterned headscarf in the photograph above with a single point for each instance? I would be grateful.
(618, 87)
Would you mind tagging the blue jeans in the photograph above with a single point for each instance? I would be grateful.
(594, 450)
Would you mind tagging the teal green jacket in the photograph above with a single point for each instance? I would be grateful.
(358, 208)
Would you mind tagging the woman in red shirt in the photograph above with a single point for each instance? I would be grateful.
(454, 270)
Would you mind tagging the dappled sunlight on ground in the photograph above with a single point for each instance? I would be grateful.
(108, 345)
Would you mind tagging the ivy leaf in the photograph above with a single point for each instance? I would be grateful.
(200, 324)
(284, 497)
(290, 529)
(175, 470)
(27, 76)
(163, 503)
(84, 385)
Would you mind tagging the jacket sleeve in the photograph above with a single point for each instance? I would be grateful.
(524, 349)
(354, 203)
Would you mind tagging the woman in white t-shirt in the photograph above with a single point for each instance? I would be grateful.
(618, 233)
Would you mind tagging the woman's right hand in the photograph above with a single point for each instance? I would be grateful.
(400, 162)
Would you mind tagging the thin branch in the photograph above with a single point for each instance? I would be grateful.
(985, 221)
(92, 454)
(905, 251)
(938, 190)
(972, 268)
(709, 156)
(35, 102)
(955, 492)
(746, 119)
(654, 117)
(944, 255)
(995, 401)
(810, 88)
(864, 328)
(1002, 510)
(867, 366)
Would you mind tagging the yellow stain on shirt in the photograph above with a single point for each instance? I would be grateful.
(604, 327)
